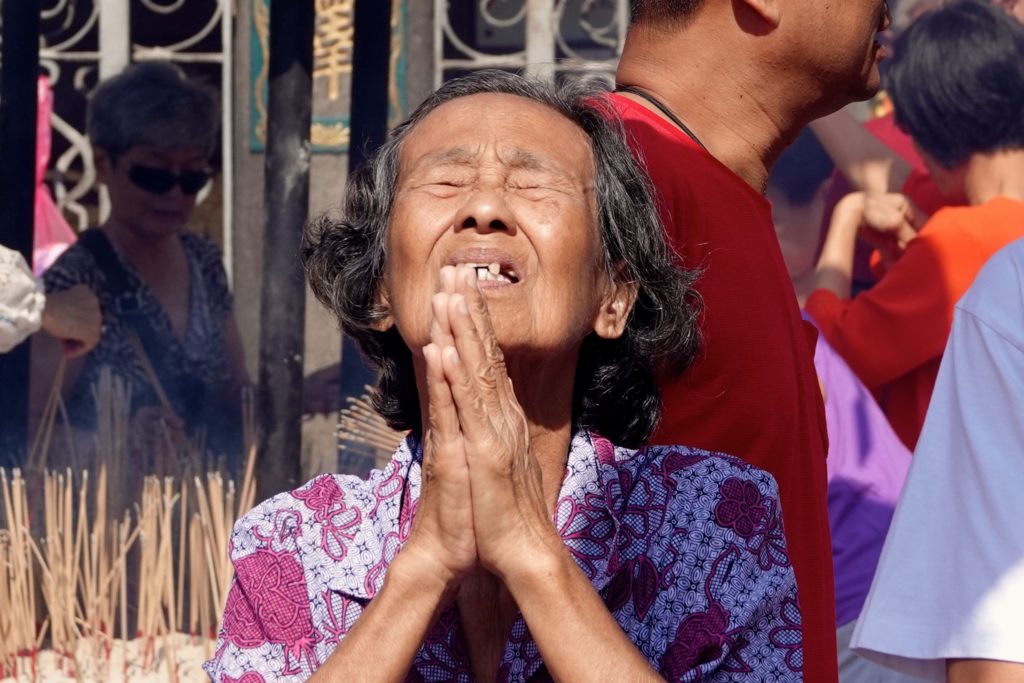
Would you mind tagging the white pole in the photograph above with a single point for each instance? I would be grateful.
(115, 38)
(440, 19)
(540, 38)
(622, 20)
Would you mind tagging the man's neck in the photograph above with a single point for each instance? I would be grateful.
(729, 106)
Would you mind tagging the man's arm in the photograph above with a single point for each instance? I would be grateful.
(866, 162)
(983, 671)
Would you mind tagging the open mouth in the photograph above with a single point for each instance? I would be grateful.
(493, 267)
(493, 272)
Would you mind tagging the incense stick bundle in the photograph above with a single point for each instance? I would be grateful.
(18, 611)
(359, 423)
(120, 563)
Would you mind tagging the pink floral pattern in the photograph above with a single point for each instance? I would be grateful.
(685, 546)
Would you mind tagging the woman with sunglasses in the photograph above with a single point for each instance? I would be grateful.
(169, 327)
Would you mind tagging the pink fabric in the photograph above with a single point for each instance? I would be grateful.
(52, 234)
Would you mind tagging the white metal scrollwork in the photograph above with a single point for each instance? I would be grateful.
(549, 38)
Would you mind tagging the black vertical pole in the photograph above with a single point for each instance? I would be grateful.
(371, 69)
(20, 71)
(286, 208)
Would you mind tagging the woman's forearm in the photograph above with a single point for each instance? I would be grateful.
(835, 266)
(386, 637)
(577, 635)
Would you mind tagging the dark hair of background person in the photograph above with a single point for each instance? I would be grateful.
(801, 169)
(662, 11)
(957, 81)
(616, 390)
(153, 103)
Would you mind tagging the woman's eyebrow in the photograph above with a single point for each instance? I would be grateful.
(517, 158)
(525, 159)
(461, 156)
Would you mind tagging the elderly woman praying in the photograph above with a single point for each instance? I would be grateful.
(501, 261)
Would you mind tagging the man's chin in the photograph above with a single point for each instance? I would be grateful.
(867, 87)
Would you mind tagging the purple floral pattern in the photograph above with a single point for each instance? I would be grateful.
(741, 507)
(685, 546)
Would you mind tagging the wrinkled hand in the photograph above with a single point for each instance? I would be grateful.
(442, 535)
(889, 222)
(510, 517)
(73, 316)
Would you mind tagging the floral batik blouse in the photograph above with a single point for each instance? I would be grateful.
(685, 547)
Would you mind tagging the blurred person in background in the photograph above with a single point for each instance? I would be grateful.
(947, 603)
(867, 463)
(957, 83)
(877, 156)
(168, 324)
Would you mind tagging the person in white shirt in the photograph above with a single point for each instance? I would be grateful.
(948, 597)
(72, 316)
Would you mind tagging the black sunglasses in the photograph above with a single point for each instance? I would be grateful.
(161, 181)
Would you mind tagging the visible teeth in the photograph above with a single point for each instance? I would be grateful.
(490, 272)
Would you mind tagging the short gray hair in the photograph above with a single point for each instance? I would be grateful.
(153, 103)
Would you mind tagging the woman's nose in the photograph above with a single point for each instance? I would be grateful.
(484, 211)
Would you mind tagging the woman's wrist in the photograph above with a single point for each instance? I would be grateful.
(417, 570)
(543, 568)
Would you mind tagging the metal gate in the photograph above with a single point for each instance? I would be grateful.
(548, 38)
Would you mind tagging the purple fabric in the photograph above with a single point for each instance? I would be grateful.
(685, 547)
(867, 464)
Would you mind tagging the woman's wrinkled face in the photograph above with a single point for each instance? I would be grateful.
(504, 185)
(146, 211)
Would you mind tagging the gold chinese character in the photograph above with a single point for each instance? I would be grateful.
(332, 43)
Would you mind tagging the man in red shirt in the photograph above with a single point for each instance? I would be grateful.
(711, 91)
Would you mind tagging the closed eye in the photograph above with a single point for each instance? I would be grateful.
(444, 188)
(534, 192)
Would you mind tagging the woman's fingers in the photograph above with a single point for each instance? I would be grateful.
(440, 329)
(474, 422)
(443, 527)
(442, 419)
(468, 286)
(477, 346)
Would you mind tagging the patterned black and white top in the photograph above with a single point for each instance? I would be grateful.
(199, 362)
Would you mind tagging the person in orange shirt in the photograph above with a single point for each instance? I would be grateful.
(957, 82)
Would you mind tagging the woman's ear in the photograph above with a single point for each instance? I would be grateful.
(614, 312)
(382, 303)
